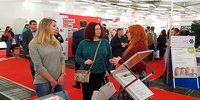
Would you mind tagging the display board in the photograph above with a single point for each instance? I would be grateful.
(184, 63)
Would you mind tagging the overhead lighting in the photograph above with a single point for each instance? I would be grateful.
(144, 5)
(179, 9)
(100, 3)
(161, 9)
(190, 12)
(143, 8)
(124, 4)
(163, 5)
(105, 7)
(129, 1)
(34, 0)
(55, 2)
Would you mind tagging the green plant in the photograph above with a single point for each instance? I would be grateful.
(195, 29)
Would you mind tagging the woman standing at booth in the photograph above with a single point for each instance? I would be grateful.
(85, 57)
(137, 42)
(49, 63)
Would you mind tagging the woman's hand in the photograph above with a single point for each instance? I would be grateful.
(53, 83)
(61, 79)
(107, 74)
(114, 60)
(89, 62)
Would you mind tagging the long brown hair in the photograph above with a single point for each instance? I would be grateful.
(137, 34)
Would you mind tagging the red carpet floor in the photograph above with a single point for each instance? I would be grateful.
(17, 70)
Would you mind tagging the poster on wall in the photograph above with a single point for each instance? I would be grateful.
(198, 61)
(184, 62)
(65, 23)
(182, 41)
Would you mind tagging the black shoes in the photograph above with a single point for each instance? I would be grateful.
(76, 86)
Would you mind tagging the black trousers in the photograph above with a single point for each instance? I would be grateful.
(77, 66)
(94, 84)
(32, 68)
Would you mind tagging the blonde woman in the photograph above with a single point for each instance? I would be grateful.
(46, 54)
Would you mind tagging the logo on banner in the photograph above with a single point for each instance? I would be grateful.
(191, 41)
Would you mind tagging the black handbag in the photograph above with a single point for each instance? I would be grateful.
(4, 38)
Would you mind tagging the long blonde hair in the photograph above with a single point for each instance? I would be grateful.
(150, 38)
(137, 34)
(44, 35)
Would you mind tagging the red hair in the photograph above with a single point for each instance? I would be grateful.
(137, 35)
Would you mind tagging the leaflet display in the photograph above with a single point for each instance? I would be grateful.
(137, 89)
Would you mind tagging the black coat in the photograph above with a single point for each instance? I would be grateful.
(117, 48)
(78, 36)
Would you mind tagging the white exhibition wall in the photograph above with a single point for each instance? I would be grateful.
(13, 10)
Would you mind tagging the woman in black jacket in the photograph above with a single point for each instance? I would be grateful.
(162, 43)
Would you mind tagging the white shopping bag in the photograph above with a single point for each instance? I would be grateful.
(97, 95)
(156, 54)
(107, 90)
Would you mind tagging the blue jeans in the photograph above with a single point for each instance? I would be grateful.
(8, 44)
(45, 89)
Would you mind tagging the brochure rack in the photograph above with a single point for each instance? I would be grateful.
(128, 79)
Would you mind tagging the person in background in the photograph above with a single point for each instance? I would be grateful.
(106, 32)
(85, 57)
(147, 29)
(58, 36)
(118, 44)
(150, 42)
(137, 42)
(174, 32)
(184, 32)
(48, 59)
(13, 44)
(9, 40)
(78, 36)
(27, 37)
(162, 43)
(155, 40)
(26, 27)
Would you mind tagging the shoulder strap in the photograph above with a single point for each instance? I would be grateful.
(95, 54)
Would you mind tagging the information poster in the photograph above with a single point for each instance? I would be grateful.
(184, 62)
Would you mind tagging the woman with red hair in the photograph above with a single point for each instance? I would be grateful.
(137, 42)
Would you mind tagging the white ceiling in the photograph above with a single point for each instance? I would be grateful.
(161, 8)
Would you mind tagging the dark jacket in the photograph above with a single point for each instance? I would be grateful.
(117, 48)
(78, 36)
(27, 37)
(161, 42)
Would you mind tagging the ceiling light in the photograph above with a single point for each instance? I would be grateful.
(161, 9)
(100, 3)
(34, 0)
(179, 9)
(55, 1)
(144, 5)
(124, 4)
(143, 8)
